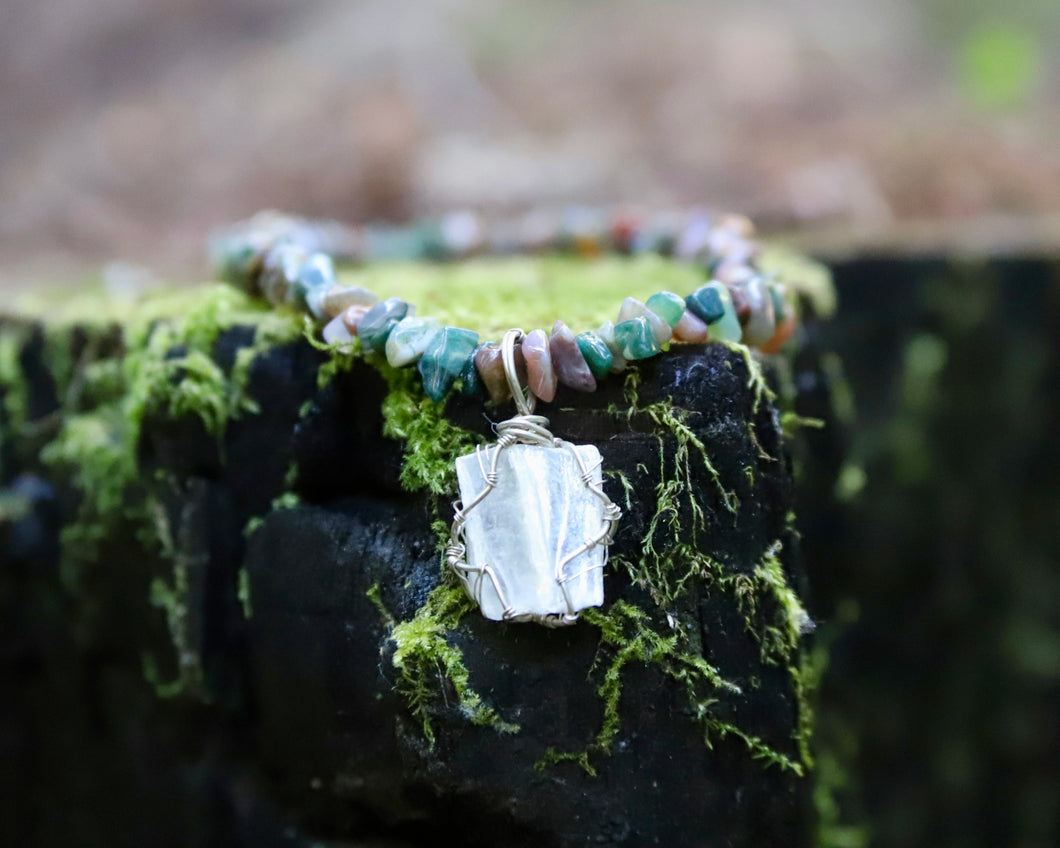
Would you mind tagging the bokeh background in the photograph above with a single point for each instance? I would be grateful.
(129, 128)
(911, 143)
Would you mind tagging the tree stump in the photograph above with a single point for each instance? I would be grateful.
(227, 617)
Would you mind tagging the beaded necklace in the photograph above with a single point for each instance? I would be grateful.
(290, 261)
(531, 531)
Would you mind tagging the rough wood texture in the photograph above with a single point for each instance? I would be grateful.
(296, 726)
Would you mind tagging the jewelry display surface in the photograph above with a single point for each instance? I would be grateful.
(302, 489)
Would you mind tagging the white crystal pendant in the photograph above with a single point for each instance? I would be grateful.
(533, 524)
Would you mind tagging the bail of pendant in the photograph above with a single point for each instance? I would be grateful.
(531, 531)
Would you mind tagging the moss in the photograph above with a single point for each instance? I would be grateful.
(778, 628)
(288, 500)
(791, 423)
(164, 367)
(630, 635)
(168, 370)
(243, 593)
(172, 599)
(423, 655)
(664, 569)
(756, 379)
(533, 290)
(12, 383)
(432, 442)
(375, 595)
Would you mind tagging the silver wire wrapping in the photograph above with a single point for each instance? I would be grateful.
(525, 428)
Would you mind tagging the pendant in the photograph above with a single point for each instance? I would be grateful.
(532, 528)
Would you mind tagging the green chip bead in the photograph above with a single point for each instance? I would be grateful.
(444, 359)
(726, 327)
(636, 338)
(708, 302)
(780, 304)
(374, 327)
(668, 306)
(596, 353)
(470, 381)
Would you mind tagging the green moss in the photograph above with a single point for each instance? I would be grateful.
(243, 593)
(756, 379)
(432, 442)
(424, 656)
(664, 569)
(172, 599)
(778, 628)
(630, 635)
(792, 422)
(492, 294)
(12, 383)
(168, 370)
(163, 367)
(375, 595)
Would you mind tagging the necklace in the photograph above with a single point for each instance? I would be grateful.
(531, 530)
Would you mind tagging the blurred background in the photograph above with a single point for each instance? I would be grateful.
(912, 144)
(130, 128)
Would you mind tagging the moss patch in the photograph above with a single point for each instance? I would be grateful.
(423, 656)
(161, 365)
(488, 293)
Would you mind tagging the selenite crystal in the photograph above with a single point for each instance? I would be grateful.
(539, 513)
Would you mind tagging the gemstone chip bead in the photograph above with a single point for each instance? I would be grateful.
(597, 355)
(668, 306)
(409, 338)
(762, 324)
(374, 328)
(279, 272)
(341, 298)
(316, 277)
(713, 305)
(490, 366)
(444, 359)
(708, 302)
(633, 308)
(636, 338)
(691, 329)
(571, 368)
(539, 373)
(606, 331)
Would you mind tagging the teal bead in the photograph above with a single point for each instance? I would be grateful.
(375, 326)
(238, 256)
(780, 305)
(279, 272)
(596, 353)
(444, 359)
(315, 278)
(470, 381)
(636, 338)
(708, 302)
(668, 306)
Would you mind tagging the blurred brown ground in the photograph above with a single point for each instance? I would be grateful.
(130, 128)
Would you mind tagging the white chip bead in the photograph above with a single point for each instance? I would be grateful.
(409, 339)
(336, 333)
